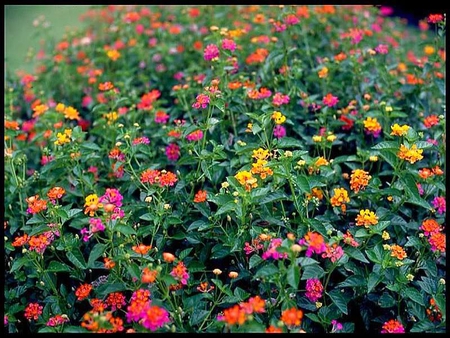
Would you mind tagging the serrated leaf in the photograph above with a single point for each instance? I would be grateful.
(339, 300)
(386, 300)
(274, 196)
(356, 254)
(303, 184)
(56, 266)
(423, 326)
(414, 295)
(312, 271)
(240, 294)
(183, 254)
(226, 208)
(266, 271)
(125, 229)
(372, 282)
(353, 281)
(147, 217)
(293, 276)
(254, 261)
(76, 258)
(96, 252)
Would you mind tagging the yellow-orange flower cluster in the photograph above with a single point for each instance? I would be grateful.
(412, 155)
(366, 218)
(359, 179)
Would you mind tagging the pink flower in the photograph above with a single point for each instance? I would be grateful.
(179, 272)
(155, 317)
(279, 131)
(385, 10)
(291, 19)
(96, 225)
(112, 196)
(161, 117)
(202, 101)
(195, 135)
(272, 250)
(229, 44)
(173, 152)
(333, 252)
(336, 326)
(419, 187)
(211, 51)
(330, 100)
(382, 49)
(439, 204)
(393, 326)
(46, 159)
(86, 101)
(314, 289)
(141, 140)
(280, 99)
(279, 27)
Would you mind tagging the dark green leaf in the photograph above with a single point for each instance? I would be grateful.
(56, 266)
(312, 271)
(96, 252)
(293, 276)
(339, 300)
(76, 258)
(414, 295)
(353, 281)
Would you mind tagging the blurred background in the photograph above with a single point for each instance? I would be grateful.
(20, 33)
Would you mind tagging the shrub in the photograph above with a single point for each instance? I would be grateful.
(229, 169)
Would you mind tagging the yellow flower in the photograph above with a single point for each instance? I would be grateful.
(317, 138)
(63, 138)
(385, 235)
(90, 200)
(111, 117)
(113, 54)
(321, 161)
(373, 158)
(246, 179)
(398, 130)
(398, 252)
(359, 179)
(366, 218)
(323, 73)
(340, 197)
(429, 50)
(278, 117)
(411, 155)
(60, 107)
(71, 113)
(331, 138)
(260, 154)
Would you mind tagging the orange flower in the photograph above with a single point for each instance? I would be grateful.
(11, 125)
(105, 86)
(149, 276)
(411, 155)
(56, 193)
(200, 196)
(359, 179)
(321, 161)
(35, 205)
(234, 85)
(274, 329)
(366, 218)
(205, 287)
(98, 305)
(113, 54)
(430, 226)
(430, 121)
(83, 291)
(71, 113)
(234, 315)
(167, 179)
(257, 304)
(398, 252)
(168, 257)
(233, 274)
(438, 241)
(116, 300)
(425, 173)
(292, 317)
(21, 240)
(109, 263)
(437, 170)
(141, 249)
(39, 110)
(340, 197)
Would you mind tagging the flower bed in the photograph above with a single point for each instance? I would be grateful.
(229, 169)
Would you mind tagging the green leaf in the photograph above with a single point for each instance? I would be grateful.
(313, 317)
(198, 316)
(339, 300)
(386, 300)
(96, 252)
(18, 263)
(254, 261)
(147, 217)
(266, 271)
(56, 266)
(356, 254)
(312, 271)
(289, 142)
(107, 288)
(274, 196)
(219, 251)
(73, 212)
(414, 295)
(76, 258)
(90, 146)
(423, 326)
(75, 329)
(303, 184)
(372, 282)
(353, 281)
(125, 229)
(428, 285)
(293, 276)
(392, 145)
(183, 254)
(198, 224)
(240, 294)
(226, 208)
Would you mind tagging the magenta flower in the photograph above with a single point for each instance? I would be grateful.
(279, 131)
(141, 140)
(291, 19)
(211, 51)
(155, 317)
(272, 250)
(333, 252)
(330, 100)
(173, 152)
(382, 49)
(393, 326)
(229, 45)
(202, 101)
(195, 136)
(439, 204)
(111, 196)
(314, 289)
(280, 99)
